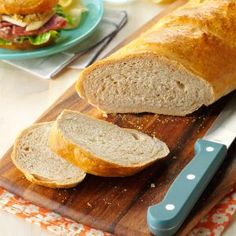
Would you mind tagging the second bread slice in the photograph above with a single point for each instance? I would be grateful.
(101, 148)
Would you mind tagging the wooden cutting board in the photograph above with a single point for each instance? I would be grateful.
(119, 205)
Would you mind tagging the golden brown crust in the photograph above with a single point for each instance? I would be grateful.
(49, 184)
(25, 7)
(37, 179)
(200, 36)
(26, 45)
(87, 161)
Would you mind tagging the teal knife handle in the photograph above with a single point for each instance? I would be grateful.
(165, 218)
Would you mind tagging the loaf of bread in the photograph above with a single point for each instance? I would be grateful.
(39, 164)
(185, 61)
(101, 148)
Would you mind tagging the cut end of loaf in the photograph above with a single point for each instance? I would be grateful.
(39, 164)
(143, 83)
(102, 148)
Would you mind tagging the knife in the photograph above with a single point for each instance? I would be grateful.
(165, 218)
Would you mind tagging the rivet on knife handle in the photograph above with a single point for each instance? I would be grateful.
(165, 218)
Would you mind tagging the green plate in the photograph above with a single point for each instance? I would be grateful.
(68, 38)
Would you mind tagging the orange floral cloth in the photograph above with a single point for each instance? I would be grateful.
(218, 219)
(212, 225)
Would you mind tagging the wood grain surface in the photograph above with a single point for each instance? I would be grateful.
(119, 205)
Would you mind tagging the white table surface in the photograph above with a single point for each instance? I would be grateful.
(23, 98)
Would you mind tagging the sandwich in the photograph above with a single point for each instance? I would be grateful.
(29, 24)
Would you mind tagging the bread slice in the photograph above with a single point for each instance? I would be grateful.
(185, 61)
(101, 148)
(25, 7)
(39, 164)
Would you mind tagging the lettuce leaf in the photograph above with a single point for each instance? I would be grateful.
(43, 38)
(71, 15)
(60, 12)
(34, 40)
(4, 42)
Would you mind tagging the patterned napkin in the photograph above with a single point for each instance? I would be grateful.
(82, 55)
(213, 224)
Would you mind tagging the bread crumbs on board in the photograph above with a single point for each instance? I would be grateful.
(153, 185)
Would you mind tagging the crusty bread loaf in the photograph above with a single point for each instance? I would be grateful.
(39, 164)
(183, 62)
(102, 148)
(25, 7)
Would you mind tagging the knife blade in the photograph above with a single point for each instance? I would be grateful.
(166, 217)
(223, 129)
